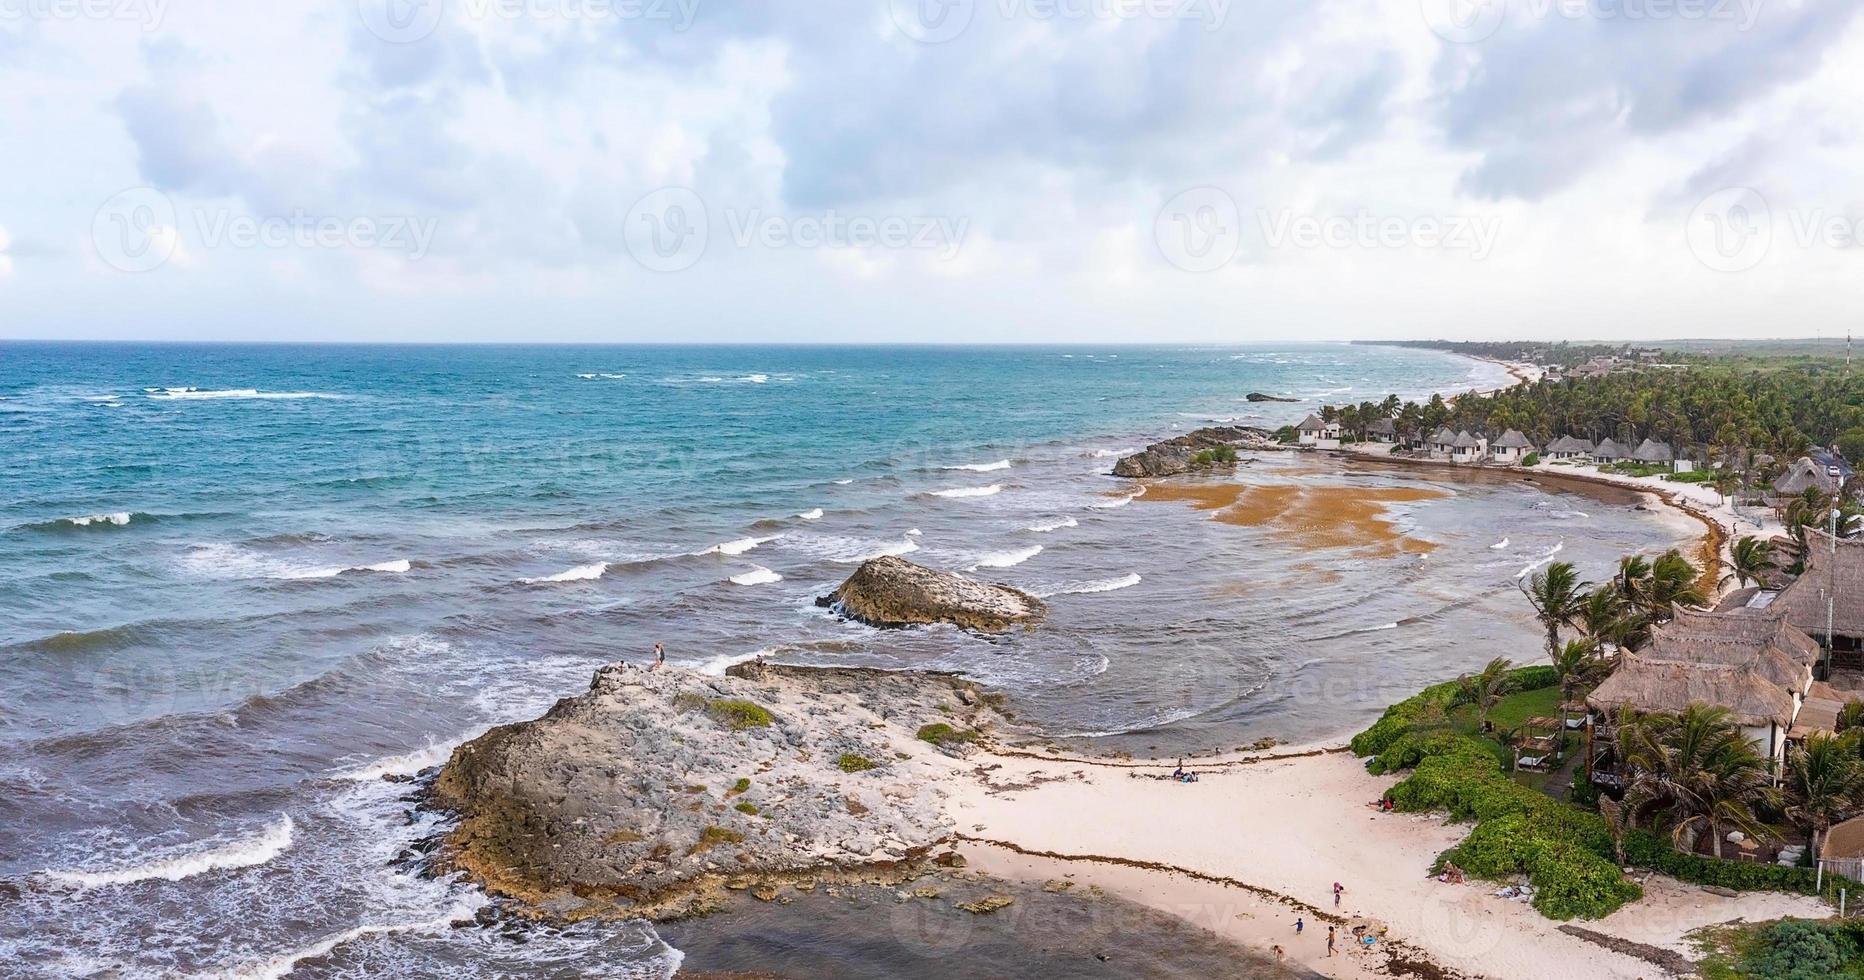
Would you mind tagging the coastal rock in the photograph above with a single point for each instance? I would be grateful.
(892, 591)
(616, 800)
(1256, 396)
(1176, 456)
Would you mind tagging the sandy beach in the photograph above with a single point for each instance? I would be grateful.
(1258, 841)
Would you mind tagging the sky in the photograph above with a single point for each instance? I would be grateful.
(930, 170)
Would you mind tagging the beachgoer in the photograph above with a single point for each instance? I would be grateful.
(1329, 940)
(1299, 924)
(1337, 889)
(660, 658)
(1278, 952)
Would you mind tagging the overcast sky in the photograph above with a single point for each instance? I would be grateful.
(929, 170)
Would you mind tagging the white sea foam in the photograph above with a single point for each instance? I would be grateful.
(120, 519)
(1544, 559)
(756, 379)
(581, 573)
(200, 394)
(405, 764)
(1002, 464)
(1120, 501)
(715, 666)
(739, 546)
(757, 576)
(1048, 526)
(1499, 545)
(905, 547)
(229, 855)
(1006, 559)
(811, 515)
(283, 964)
(914, 532)
(397, 566)
(970, 491)
(1126, 581)
(843, 483)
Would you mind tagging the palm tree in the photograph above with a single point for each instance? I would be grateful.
(1574, 664)
(1752, 558)
(1673, 582)
(1699, 768)
(1632, 579)
(1824, 785)
(1615, 825)
(1602, 617)
(1557, 596)
(1485, 689)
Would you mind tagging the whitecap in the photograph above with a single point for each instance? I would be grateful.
(406, 764)
(759, 575)
(397, 566)
(739, 546)
(581, 573)
(970, 491)
(1544, 559)
(905, 547)
(200, 394)
(120, 519)
(843, 483)
(1499, 545)
(1048, 526)
(914, 532)
(715, 666)
(811, 515)
(283, 964)
(1126, 581)
(1120, 501)
(1002, 464)
(1006, 559)
(587, 377)
(223, 856)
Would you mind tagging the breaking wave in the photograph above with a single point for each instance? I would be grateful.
(581, 573)
(969, 491)
(1005, 559)
(757, 576)
(225, 856)
(739, 546)
(1048, 526)
(811, 515)
(1126, 581)
(1002, 464)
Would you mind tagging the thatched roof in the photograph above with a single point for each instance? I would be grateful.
(1653, 451)
(1803, 475)
(1569, 444)
(1383, 427)
(1839, 573)
(1442, 437)
(1512, 439)
(1311, 424)
(1751, 662)
(1466, 441)
(1608, 449)
(1844, 840)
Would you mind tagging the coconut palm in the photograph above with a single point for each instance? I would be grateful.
(1486, 688)
(1674, 581)
(1632, 580)
(1557, 595)
(1615, 825)
(1603, 617)
(1575, 664)
(1752, 558)
(1700, 769)
(1824, 784)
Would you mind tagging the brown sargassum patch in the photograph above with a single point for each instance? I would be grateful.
(1310, 516)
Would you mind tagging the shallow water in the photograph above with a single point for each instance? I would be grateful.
(244, 582)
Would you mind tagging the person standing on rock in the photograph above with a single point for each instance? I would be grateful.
(660, 658)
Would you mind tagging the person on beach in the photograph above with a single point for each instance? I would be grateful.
(1329, 940)
(1299, 924)
(1337, 889)
(660, 658)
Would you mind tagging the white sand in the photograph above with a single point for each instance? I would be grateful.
(1293, 827)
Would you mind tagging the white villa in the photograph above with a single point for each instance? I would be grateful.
(1512, 447)
(1316, 432)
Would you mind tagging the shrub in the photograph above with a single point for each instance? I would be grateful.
(852, 762)
(743, 785)
(1287, 436)
(939, 733)
(1531, 459)
(1795, 949)
(1213, 455)
(714, 836)
(738, 714)
(746, 808)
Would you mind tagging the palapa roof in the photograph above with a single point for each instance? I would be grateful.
(1443, 436)
(1844, 840)
(1312, 422)
(1609, 448)
(1838, 572)
(1569, 444)
(1512, 439)
(1381, 426)
(1750, 662)
(1466, 441)
(1653, 451)
(1803, 475)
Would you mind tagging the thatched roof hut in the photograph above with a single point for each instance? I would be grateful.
(1513, 439)
(1652, 451)
(1608, 451)
(1753, 663)
(1837, 572)
(1570, 446)
(1804, 475)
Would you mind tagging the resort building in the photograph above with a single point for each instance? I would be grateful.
(1319, 433)
(1568, 447)
(1655, 453)
(1443, 443)
(1468, 448)
(1381, 430)
(1608, 451)
(1828, 595)
(1805, 474)
(1755, 663)
(1512, 447)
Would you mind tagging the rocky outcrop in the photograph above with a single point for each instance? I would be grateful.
(1180, 455)
(1256, 396)
(892, 591)
(655, 789)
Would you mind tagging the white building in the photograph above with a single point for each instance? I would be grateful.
(1319, 433)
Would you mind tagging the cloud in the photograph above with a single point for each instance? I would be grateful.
(6, 258)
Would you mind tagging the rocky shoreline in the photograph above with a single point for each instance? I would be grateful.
(1199, 449)
(892, 592)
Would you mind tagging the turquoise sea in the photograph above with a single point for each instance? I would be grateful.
(242, 583)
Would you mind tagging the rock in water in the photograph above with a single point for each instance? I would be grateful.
(1256, 396)
(656, 790)
(1175, 456)
(892, 591)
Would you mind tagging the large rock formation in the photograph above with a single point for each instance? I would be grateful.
(654, 789)
(892, 591)
(1179, 455)
(1256, 396)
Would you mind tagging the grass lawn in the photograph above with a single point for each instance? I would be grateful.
(1509, 712)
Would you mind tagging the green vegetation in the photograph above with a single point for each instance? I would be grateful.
(1789, 949)
(737, 713)
(853, 762)
(714, 836)
(746, 808)
(743, 785)
(942, 734)
(1531, 459)
(1213, 456)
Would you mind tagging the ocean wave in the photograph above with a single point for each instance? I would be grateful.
(1542, 560)
(406, 764)
(1499, 545)
(715, 666)
(1002, 464)
(853, 551)
(581, 573)
(1090, 587)
(226, 855)
(811, 515)
(843, 483)
(759, 575)
(283, 964)
(914, 532)
(994, 488)
(201, 394)
(398, 566)
(605, 377)
(1048, 526)
(739, 546)
(1006, 559)
(122, 518)
(1119, 501)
